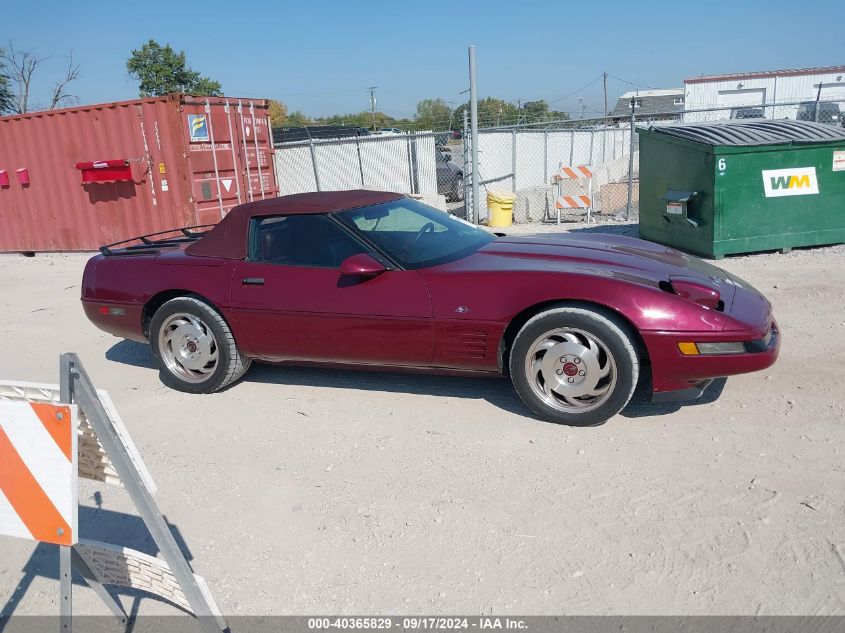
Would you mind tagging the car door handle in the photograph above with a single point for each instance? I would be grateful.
(253, 281)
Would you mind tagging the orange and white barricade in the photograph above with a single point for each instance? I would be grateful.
(38, 471)
(52, 435)
(582, 179)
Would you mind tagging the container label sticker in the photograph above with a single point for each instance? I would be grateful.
(798, 181)
(198, 128)
(839, 161)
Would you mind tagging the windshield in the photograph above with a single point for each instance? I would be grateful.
(414, 234)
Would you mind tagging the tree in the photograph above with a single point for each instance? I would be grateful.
(22, 65)
(278, 113)
(59, 96)
(161, 70)
(297, 119)
(491, 112)
(433, 114)
(17, 68)
(7, 98)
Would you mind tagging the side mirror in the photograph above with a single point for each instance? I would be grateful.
(361, 265)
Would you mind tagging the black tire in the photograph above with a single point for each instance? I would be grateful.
(458, 193)
(229, 364)
(617, 355)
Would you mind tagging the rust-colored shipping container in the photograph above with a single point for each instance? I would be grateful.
(77, 178)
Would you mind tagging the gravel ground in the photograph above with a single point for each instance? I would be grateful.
(303, 491)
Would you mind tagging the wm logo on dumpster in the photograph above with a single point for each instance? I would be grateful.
(800, 181)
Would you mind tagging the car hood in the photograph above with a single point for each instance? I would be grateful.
(624, 258)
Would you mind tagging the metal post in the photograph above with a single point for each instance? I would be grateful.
(65, 579)
(416, 161)
(65, 591)
(592, 139)
(559, 168)
(360, 162)
(467, 186)
(631, 164)
(314, 164)
(572, 148)
(545, 157)
(473, 114)
(513, 161)
(604, 143)
(410, 163)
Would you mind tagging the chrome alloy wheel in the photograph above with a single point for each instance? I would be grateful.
(571, 370)
(188, 347)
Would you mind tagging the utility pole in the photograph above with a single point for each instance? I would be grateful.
(372, 90)
(605, 93)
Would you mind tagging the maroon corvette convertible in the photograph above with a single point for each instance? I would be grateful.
(364, 278)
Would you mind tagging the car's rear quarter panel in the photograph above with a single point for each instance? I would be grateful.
(128, 282)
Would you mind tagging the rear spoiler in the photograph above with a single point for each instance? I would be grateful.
(147, 244)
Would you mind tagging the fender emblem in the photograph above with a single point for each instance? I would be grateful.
(462, 309)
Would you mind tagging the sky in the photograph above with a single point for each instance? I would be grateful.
(320, 56)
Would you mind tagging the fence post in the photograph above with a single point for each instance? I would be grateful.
(360, 162)
(513, 161)
(473, 115)
(631, 164)
(571, 147)
(545, 157)
(467, 184)
(314, 164)
(415, 174)
(592, 138)
(410, 162)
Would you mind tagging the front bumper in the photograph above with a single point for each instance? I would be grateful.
(673, 371)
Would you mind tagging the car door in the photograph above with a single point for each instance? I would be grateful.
(293, 304)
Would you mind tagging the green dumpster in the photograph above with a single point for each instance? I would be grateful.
(714, 189)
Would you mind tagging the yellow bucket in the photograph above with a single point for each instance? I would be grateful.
(500, 208)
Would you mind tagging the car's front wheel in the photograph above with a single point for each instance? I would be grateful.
(458, 189)
(194, 347)
(574, 366)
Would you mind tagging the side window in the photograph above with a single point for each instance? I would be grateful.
(301, 240)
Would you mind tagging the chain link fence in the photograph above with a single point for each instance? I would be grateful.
(419, 163)
(562, 170)
(559, 171)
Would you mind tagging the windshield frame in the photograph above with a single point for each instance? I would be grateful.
(344, 218)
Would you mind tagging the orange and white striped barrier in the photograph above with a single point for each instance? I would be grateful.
(573, 202)
(38, 484)
(46, 445)
(573, 173)
(577, 175)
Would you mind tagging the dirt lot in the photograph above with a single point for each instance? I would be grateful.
(303, 491)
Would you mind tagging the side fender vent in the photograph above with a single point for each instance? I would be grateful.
(464, 343)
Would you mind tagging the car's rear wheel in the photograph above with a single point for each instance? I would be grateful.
(574, 366)
(194, 346)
